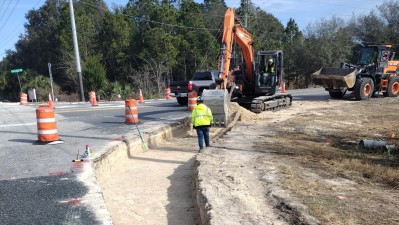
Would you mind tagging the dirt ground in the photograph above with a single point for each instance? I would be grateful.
(303, 166)
(300, 165)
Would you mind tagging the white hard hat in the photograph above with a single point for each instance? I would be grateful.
(270, 60)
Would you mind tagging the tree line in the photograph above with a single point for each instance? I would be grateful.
(147, 43)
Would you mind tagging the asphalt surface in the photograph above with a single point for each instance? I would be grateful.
(38, 182)
(44, 200)
(78, 125)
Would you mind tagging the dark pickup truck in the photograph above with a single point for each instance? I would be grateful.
(199, 82)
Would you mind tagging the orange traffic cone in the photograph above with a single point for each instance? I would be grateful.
(141, 100)
(50, 101)
(93, 99)
(94, 102)
(283, 88)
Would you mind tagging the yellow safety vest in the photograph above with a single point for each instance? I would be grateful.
(201, 116)
(269, 69)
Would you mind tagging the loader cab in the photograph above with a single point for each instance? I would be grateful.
(374, 57)
(268, 72)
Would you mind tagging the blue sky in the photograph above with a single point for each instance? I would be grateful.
(12, 13)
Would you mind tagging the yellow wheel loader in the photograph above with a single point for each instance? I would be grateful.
(375, 71)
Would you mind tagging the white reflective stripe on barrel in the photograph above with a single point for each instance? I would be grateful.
(130, 116)
(47, 120)
(47, 131)
(192, 99)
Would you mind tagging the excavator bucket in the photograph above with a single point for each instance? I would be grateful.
(335, 78)
(218, 101)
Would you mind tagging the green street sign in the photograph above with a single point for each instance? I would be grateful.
(16, 70)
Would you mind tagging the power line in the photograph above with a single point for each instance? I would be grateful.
(200, 14)
(5, 11)
(170, 25)
(341, 5)
(1, 7)
(219, 34)
(324, 3)
(12, 34)
(6, 40)
(155, 22)
(9, 15)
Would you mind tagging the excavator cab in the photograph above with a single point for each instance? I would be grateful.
(268, 72)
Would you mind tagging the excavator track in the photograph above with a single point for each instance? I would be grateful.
(271, 103)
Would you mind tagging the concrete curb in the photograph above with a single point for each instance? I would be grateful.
(199, 193)
(123, 151)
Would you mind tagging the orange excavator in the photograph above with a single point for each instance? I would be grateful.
(254, 84)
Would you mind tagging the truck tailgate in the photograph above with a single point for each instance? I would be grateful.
(177, 87)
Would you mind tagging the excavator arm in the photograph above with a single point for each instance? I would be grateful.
(234, 31)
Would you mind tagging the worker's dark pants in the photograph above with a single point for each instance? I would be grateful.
(203, 133)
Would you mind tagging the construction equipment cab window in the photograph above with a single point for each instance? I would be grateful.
(367, 56)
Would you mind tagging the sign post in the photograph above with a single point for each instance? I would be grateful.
(17, 71)
(51, 81)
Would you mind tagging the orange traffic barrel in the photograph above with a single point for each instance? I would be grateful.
(46, 125)
(23, 98)
(167, 93)
(192, 100)
(131, 113)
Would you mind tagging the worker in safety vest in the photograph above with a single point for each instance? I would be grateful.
(270, 66)
(202, 120)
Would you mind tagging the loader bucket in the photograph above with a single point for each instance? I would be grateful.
(218, 101)
(335, 78)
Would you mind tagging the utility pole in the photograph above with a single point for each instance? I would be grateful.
(246, 13)
(76, 50)
(51, 81)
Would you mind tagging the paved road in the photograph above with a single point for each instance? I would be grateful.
(311, 94)
(78, 125)
(38, 183)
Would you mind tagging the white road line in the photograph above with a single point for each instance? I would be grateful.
(18, 124)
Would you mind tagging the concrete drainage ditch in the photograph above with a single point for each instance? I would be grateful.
(116, 157)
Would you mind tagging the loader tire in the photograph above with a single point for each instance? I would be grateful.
(393, 86)
(364, 88)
